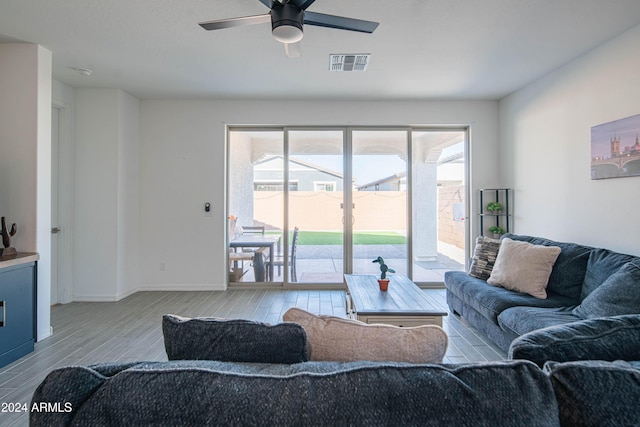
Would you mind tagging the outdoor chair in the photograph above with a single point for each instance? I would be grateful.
(278, 259)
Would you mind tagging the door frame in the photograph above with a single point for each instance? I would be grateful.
(64, 198)
(348, 191)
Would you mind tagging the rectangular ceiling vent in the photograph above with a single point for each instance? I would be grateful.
(349, 62)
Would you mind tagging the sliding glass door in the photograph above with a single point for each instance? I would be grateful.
(315, 206)
(379, 199)
(438, 203)
(307, 205)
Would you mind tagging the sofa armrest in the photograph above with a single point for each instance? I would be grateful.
(605, 338)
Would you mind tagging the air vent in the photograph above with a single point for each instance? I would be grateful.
(349, 62)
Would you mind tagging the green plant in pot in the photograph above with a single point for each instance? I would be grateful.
(496, 230)
(494, 207)
(384, 269)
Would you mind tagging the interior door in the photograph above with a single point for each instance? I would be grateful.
(55, 140)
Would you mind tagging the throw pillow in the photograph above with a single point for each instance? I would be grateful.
(335, 339)
(484, 257)
(618, 295)
(523, 267)
(225, 340)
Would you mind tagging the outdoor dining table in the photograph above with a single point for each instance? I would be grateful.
(259, 241)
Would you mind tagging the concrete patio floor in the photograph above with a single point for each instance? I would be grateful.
(324, 263)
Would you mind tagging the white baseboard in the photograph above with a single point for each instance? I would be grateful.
(182, 287)
(149, 288)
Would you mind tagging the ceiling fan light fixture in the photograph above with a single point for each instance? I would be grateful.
(286, 23)
(287, 33)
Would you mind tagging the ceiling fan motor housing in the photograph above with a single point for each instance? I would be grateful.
(286, 22)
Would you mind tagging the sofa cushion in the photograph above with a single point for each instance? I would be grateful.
(521, 320)
(524, 267)
(602, 264)
(209, 338)
(619, 294)
(335, 339)
(198, 393)
(484, 257)
(569, 269)
(596, 393)
(610, 338)
(490, 301)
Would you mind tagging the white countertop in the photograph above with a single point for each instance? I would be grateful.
(20, 258)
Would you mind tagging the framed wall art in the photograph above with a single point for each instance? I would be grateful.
(615, 148)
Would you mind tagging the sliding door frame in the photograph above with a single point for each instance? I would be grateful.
(347, 153)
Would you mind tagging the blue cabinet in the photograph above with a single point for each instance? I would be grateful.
(17, 310)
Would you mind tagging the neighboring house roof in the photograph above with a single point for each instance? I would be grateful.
(269, 159)
(393, 178)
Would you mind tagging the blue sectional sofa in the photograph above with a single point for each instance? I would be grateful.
(584, 283)
(203, 393)
(240, 373)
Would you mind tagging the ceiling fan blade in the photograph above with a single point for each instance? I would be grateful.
(293, 50)
(235, 22)
(302, 4)
(268, 3)
(339, 22)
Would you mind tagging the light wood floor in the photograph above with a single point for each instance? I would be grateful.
(130, 330)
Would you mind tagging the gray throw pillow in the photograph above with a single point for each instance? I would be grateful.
(618, 295)
(239, 340)
(484, 257)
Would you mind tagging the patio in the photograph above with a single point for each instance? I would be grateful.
(323, 264)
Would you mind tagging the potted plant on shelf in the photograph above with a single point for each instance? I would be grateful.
(497, 231)
(383, 281)
(494, 207)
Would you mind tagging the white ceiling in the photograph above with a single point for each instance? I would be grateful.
(423, 49)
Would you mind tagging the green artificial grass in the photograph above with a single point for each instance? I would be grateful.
(359, 238)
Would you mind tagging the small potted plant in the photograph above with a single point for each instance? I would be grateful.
(494, 207)
(383, 281)
(496, 230)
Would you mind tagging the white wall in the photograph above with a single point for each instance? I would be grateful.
(182, 162)
(105, 194)
(545, 149)
(128, 194)
(25, 159)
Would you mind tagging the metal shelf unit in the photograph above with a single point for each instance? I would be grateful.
(501, 219)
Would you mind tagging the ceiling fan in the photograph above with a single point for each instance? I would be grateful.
(287, 18)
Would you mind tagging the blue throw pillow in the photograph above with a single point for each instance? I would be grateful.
(239, 340)
(618, 295)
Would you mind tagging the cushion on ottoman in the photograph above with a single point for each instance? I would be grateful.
(335, 339)
(233, 340)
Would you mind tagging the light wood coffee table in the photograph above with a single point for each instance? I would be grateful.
(404, 304)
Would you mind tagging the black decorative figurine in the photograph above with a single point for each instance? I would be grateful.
(6, 239)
